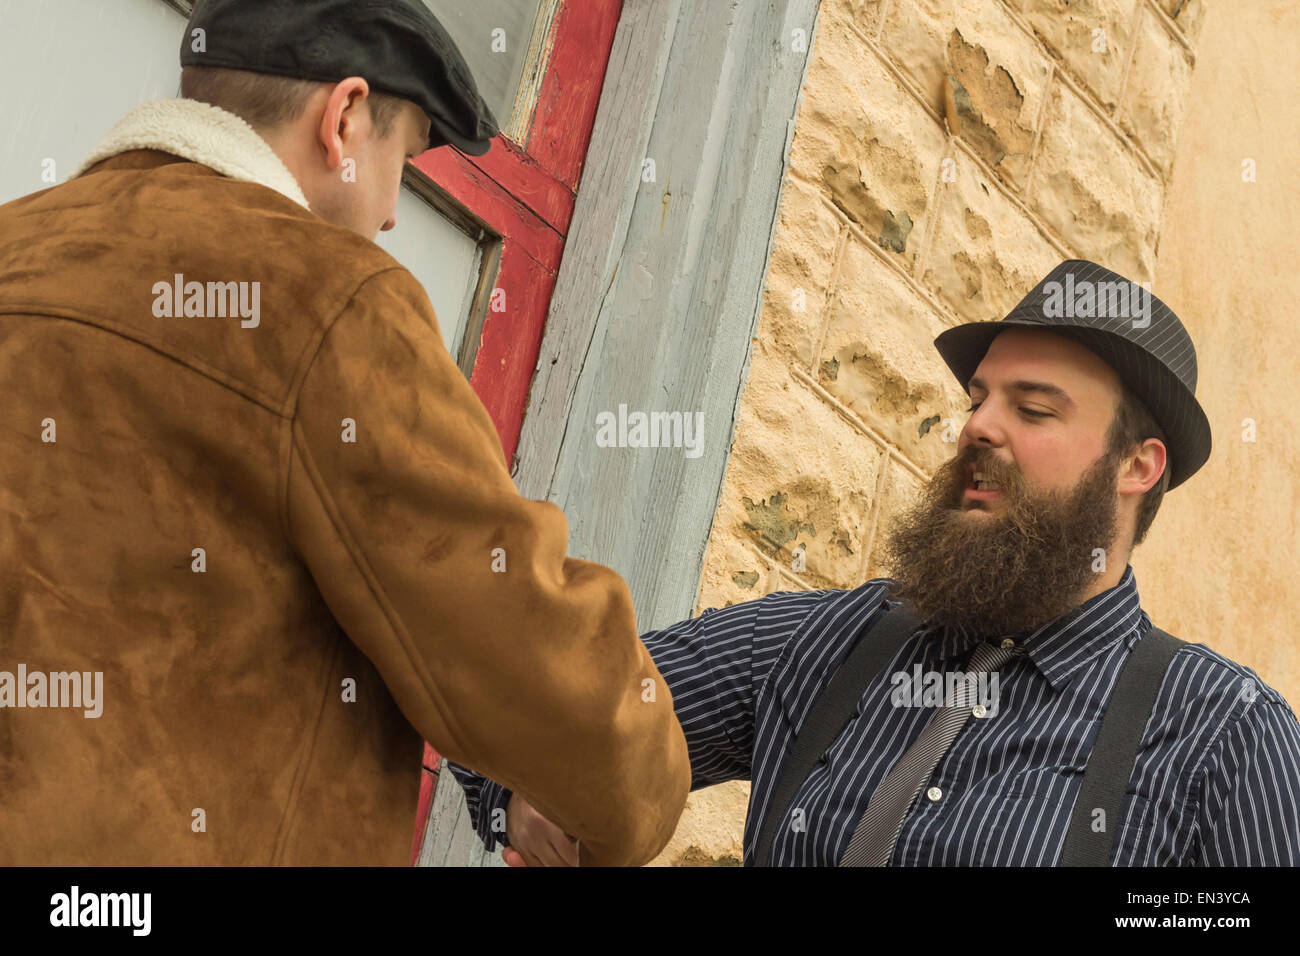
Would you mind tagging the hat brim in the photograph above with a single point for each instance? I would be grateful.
(1171, 403)
(470, 147)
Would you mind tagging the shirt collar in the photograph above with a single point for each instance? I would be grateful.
(1064, 644)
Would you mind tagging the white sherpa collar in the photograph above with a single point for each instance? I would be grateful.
(203, 134)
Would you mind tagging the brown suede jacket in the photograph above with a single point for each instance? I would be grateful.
(278, 536)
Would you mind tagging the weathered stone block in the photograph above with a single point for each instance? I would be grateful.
(1093, 191)
(1156, 94)
(799, 272)
(999, 75)
(1092, 37)
(871, 144)
(733, 573)
(711, 828)
(902, 490)
(879, 359)
(986, 253)
(799, 476)
(1187, 16)
(865, 14)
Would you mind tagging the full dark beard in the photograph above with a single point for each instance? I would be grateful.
(1012, 569)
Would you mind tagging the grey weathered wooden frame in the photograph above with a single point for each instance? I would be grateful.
(657, 300)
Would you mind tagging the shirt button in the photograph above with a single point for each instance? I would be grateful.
(1008, 642)
(979, 710)
(935, 794)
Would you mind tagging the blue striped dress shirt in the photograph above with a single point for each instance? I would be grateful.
(1216, 782)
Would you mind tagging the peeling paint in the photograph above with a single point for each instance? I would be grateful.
(988, 102)
(853, 183)
(895, 231)
(773, 522)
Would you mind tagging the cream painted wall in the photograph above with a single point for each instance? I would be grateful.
(1219, 565)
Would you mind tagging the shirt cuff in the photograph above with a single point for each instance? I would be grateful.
(484, 798)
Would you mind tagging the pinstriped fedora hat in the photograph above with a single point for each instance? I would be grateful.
(1128, 328)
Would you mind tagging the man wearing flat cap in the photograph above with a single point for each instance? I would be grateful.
(1004, 699)
(281, 545)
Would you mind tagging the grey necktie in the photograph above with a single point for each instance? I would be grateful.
(877, 831)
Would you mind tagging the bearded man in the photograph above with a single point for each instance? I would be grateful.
(1012, 564)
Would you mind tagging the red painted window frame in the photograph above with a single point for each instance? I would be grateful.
(525, 195)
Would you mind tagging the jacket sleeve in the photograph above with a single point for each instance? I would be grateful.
(715, 666)
(508, 656)
(706, 662)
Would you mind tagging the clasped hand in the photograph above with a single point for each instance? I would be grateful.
(535, 840)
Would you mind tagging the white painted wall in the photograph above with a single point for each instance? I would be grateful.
(71, 68)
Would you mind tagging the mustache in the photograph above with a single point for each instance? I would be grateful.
(984, 460)
(951, 479)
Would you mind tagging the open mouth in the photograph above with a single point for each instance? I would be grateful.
(979, 487)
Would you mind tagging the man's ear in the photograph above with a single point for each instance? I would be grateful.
(1143, 467)
(338, 123)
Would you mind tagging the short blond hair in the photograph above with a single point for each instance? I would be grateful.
(265, 101)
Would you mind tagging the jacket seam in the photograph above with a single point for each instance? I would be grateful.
(304, 760)
(374, 586)
(197, 366)
(288, 408)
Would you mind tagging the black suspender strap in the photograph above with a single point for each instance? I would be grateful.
(876, 646)
(1110, 765)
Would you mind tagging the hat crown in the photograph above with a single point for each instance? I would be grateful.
(1083, 294)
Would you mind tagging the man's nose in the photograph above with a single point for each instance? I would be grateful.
(981, 428)
(392, 221)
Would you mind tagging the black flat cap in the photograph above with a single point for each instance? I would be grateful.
(397, 46)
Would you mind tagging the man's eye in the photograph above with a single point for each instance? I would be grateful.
(1027, 411)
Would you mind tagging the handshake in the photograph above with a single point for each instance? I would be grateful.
(535, 840)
